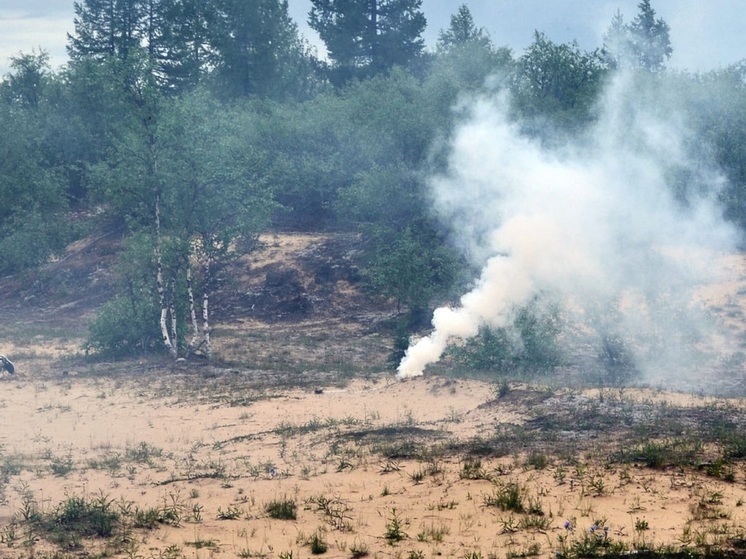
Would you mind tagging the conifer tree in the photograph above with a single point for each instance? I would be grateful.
(367, 37)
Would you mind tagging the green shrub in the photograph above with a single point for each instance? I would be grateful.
(394, 529)
(507, 497)
(529, 345)
(318, 545)
(282, 509)
(77, 518)
(129, 323)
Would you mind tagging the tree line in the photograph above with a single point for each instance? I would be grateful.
(196, 125)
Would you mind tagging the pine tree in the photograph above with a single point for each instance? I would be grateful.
(462, 31)
(643, 44)
(650, 41)
(366, 37)
(105, 28)
(256, 48)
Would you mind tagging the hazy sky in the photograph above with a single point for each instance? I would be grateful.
(705, 33)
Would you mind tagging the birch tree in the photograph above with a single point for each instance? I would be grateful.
(217, 196)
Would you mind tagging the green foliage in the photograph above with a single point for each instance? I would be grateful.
(366, 38)
(394, 528)
(231, 513)
(617, 360)
(410, 267)
(558, 81)
(596, 543)
(256, 50)
(507, 497)
(29, 238)
(77, 518)
(124, 326)
(317, 543)
(32, 194)
(530, 345)
(27, 80)
(359, 549)
(128, 323)
(678, 452)
(461, 31)
(282, 509)
(62, 466)
(648, 39)
(148, 110)
(244, 48)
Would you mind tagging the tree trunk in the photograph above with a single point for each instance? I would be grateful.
(194, 342)
(206, 311)
(373, 35)
(172, 312)
(167, 341)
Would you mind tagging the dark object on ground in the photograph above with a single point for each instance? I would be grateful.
(7, 364)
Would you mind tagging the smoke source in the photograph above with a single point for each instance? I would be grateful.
(626, 212)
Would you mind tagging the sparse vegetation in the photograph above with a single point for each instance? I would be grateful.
(394, 528)
(507, 497)
(282, 509)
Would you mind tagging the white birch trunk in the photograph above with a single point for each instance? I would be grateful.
(193, 344)
(206, 311)
(172, 312)
(167, 341)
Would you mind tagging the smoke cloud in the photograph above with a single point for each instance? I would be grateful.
(620, 225)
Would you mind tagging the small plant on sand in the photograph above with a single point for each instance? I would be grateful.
(200, 544)
(537, 460)
(358, 549)
(597, 484)
(394, 529)
(146, 518)
(282, 509)
(77, 518)
(433, 533)
(231, 513)
(172, 510)
(508, 525)
(472, 469)
(640, 540)
(537, 522)
(506, 497)
(317, 543)
(143, 453)
(62, 466)
(532, 550)
(417, 476)
(8, 535)
(29, 511)
(197, 512)
(336, 511)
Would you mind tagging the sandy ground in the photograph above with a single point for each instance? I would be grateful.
(374, 467)
(216, 468)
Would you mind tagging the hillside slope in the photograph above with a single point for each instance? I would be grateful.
(297, 300)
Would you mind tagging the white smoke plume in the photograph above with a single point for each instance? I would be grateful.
(587, 222)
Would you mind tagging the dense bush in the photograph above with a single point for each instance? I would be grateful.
(529, 345)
